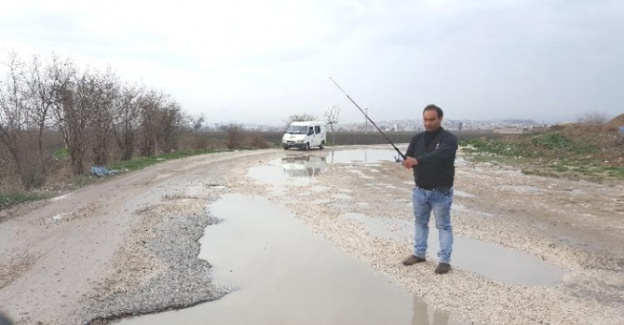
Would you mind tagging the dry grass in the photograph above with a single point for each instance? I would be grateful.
(577, 151)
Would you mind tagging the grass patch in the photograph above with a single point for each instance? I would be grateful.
(552, 153)
(142, 162)
(553, 145)
(62, 153)
(12, 199)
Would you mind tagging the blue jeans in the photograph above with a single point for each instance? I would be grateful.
(440, 202)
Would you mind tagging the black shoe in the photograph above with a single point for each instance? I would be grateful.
(443, 268)
(412, 259)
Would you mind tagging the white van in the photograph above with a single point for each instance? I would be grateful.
(304, 166)
(305, 135)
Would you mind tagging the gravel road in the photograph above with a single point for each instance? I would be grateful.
(129, 245)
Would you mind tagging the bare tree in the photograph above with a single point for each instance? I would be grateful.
(89, 108)
(125, 115)
(170, 119)
(63, 73)
(197, 122)
(76, 108)
(71, 109)
(39, 95)
(299, 117)
(14, 117)
(104, 93)
(595, 118)
(331, 118)
(235, 136)
(150, 104)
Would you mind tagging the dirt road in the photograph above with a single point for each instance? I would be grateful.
(129, 245)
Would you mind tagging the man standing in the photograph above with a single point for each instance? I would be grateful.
(431, 154)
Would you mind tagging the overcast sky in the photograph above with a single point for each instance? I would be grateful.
(255, 61)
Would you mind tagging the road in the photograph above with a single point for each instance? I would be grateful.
(529, 249)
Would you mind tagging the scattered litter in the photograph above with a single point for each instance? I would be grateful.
(101, 171)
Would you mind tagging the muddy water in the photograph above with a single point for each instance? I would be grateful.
(366, 156)
(281, 273)
(488, 259)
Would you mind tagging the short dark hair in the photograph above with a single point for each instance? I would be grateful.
(432, 107)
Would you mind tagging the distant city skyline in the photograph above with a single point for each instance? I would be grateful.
(446, 121)
(398, 125)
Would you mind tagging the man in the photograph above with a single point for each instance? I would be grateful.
(431, 154)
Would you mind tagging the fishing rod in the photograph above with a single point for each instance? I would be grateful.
(368, 118)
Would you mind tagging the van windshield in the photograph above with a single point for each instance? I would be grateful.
(297, 129)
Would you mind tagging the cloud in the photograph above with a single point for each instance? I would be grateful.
(264, 60)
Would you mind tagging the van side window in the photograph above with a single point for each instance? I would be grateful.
(310, 131)
(317, 129)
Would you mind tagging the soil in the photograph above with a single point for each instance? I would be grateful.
(129, 246)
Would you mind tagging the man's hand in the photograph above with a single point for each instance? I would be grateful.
(409, 162)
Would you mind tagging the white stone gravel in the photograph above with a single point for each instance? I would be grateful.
(129, 246)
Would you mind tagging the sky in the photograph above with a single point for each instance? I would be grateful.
(260, 61)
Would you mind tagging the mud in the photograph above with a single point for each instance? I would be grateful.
(135, 238)
(280, 272)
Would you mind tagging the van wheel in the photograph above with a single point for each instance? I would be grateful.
(322, 145)
(285, 148)
(307, 146)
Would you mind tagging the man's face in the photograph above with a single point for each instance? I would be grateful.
(431, 120)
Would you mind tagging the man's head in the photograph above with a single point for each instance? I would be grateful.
(432, 118)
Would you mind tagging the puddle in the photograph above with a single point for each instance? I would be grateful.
(284, 274)
(291, 170)
(298, 170)
(366, 156)
(490, 260)
(304, 165)
(273, 173)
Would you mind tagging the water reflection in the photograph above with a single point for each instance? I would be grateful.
(421, 314)
(304, 166)
(314, 164)
(489, 259)
(366, 156)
